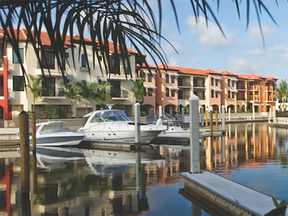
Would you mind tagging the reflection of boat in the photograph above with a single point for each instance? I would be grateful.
(53, 133)
(102, 162)
(55, 157)
(115, 125)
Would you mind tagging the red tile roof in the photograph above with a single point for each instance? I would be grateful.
(227, 73)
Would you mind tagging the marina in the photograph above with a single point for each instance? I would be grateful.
(250, 154)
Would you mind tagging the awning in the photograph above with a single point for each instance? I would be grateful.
(233, 79)
(150, 86)
(232, 90)
(103, 79)
(216, 89)
(69, 77)
(152, 72)
(172, 74)
(173, 87)
(146, 72)
(219, 78)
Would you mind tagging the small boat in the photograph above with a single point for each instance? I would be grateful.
(115, 125)
(53, 133)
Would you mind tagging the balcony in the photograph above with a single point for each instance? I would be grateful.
(270, 89)
(241, 98)
(271, 99)
(58, 94)
(119, 95)
(255, 99)
(254, 88)
(199, 85)
(184, 97)
(184, 84)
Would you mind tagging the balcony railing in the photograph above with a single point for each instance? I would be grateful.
(185, 97)
(119, 94)
(57, 94)
(184, 84)
(241, 87)
(241, 98)
(198, 84)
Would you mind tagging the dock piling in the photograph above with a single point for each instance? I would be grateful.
(206, 117)
(33, 126)
(137, 122)
(229, 114)
(216, 117)
(25, 163)
(253, 113)
(194, 134)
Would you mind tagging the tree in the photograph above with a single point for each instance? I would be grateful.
(36, 87)
(282, 91)
(122, 21)
(87, 91)
(103, 93)
(138, 89)
(72, 93)
(47, 110)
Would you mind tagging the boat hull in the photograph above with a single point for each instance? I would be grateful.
(59, 140)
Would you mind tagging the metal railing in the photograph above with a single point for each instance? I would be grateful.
(119, 94)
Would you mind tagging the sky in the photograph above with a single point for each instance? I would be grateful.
(242, 52)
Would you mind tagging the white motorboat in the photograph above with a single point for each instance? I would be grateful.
(53, 133)
(115, 125)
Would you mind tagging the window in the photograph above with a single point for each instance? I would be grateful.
(48, 59)
(232, 83)
(173, 93)
(172, 79)
(18, 83)
(229, 94)
(167, 92)
(114, 65)
(115, 89)
(150, 92)
(48, 87)
(15, 57)
(83, 60)
(228, 82)
(232, 94)
(212, 93)
(167, 78)
(216, 94)
(212, 81)
(195, 92)
(149, 77)
(1, 57)
(216, 82)
(180, 94)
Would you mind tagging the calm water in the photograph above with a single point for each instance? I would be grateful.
(73, 181)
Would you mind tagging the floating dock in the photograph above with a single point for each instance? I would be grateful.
(223, 196)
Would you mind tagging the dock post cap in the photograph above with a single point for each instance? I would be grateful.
(137, 104)
(223, 106)
(23, 112)
(194, 97)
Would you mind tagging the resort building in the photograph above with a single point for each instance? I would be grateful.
(14, 97)
(168, 87)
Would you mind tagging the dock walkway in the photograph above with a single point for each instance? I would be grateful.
(231, 197)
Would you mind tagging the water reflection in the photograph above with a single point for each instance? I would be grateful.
(73, 181)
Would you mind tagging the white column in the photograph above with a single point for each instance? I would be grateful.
(253, 112)
(194, 134)
(229, 113)
(202, 116)
(183, 114)
(274, 114)
(137, 122)
(223, 118)
(160, 111)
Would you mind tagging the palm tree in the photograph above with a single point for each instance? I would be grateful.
(103, 93)
(122, 21)
(72, 93)
(47, 110)
(138, 90)
(282, 91)
(36, 87)
(87, 91)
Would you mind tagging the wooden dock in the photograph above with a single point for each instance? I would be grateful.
(226, 197)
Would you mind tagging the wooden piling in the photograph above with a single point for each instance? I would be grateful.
(25, 161)
(33, 126)
(211, 122)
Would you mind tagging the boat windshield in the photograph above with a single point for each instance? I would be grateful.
(54, 127)
(110, 116)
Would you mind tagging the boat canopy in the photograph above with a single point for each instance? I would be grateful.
(109, 116)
